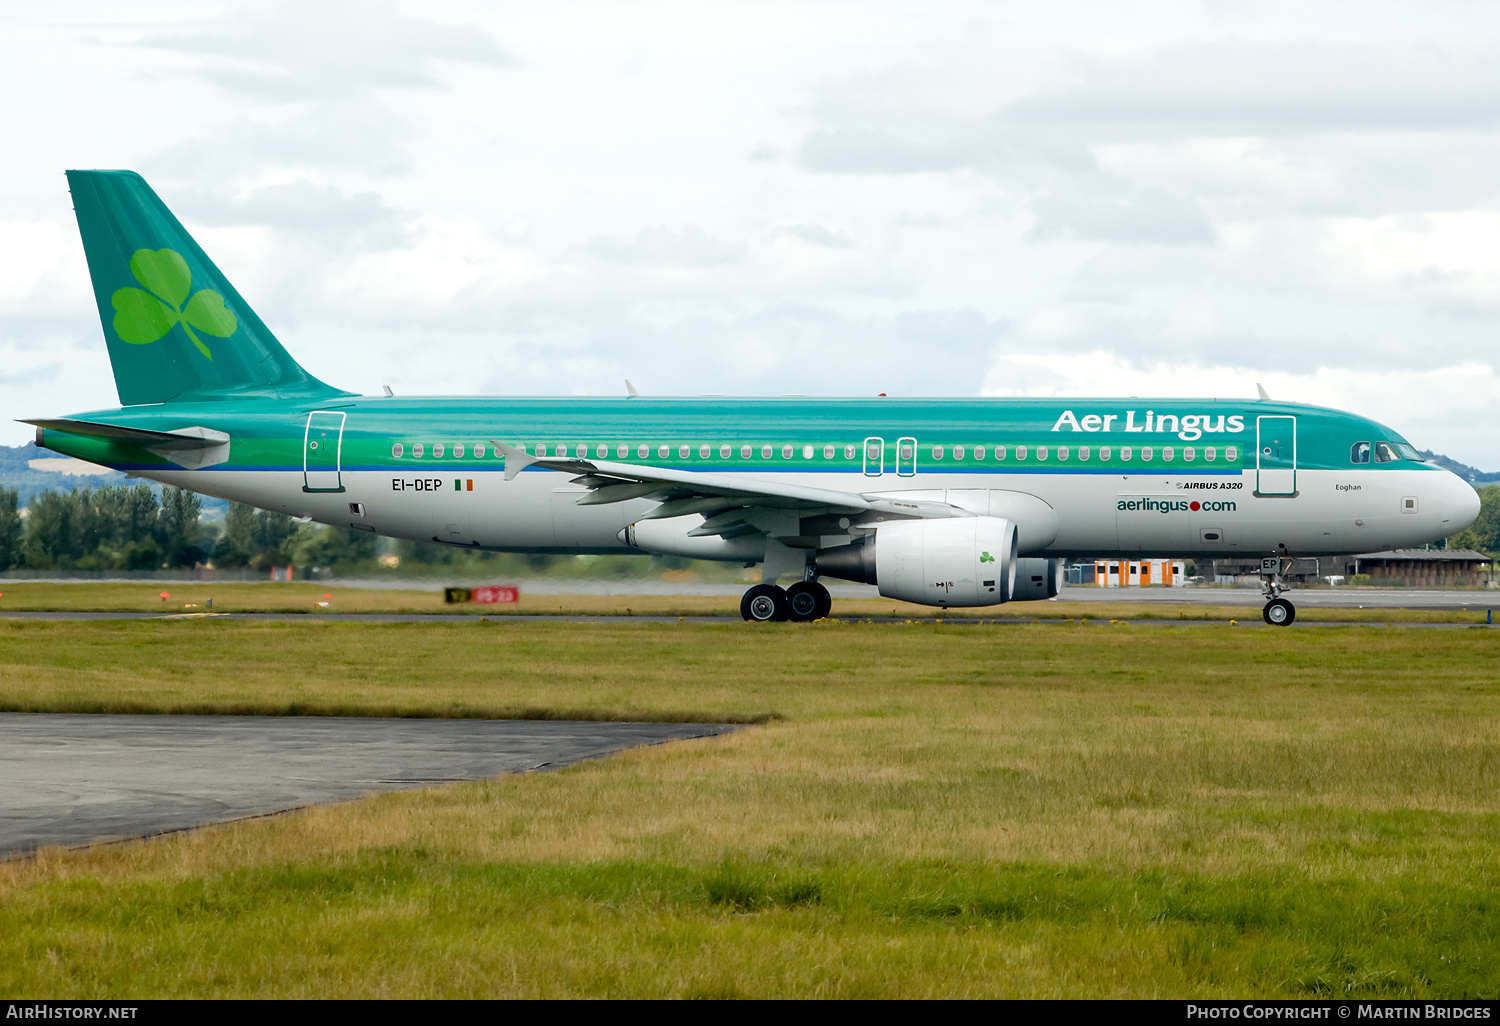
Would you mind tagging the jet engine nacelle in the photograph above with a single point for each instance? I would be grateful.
(1037, 579)
(963, 561)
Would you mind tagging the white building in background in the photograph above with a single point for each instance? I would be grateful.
(1141, 573)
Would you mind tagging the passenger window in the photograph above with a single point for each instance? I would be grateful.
(417, 450)
(937, 452)
(1167, 453)
(1231, 453)
(1385, 453)
(979, 452)
(999, 452)
(786, 452)
(1062, 452)
(1146, 452)
(602, 451)
(848, 452)
(622, 451)
(437, 449)
(1104, 452)
(1041, 452)
(744, 452)
(663, 451)
(1359, 452)
(958, 452)
(479, 451)
(397, 450)
(1083, 452)
(828, 452)
(458, 451)
(765, 452)
(1020, 452)
(643, 452)
(684, 451)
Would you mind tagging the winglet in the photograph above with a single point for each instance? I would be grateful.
(515, 460)
(1259, 388)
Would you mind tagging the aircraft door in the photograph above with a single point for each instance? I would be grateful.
(906, 457)
(322, 444)
(1276, 455)
(874, 457)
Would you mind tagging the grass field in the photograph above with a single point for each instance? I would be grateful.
(926, 810)
(20, 596)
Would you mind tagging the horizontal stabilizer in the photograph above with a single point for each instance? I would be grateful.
(191, 447)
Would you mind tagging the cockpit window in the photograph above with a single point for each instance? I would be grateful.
(1385, 453)
(1359, 452)
(1410, 453)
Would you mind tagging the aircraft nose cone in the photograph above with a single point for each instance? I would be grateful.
(1462, 504)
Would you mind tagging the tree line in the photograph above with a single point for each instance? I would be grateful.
(128, 527)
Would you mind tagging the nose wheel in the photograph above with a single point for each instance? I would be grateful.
(1279, 613)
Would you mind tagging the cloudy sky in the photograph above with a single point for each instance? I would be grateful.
(814, 197)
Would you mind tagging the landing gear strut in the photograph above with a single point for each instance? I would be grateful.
(1278, 612)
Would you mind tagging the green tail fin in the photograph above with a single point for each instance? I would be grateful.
(175, 327)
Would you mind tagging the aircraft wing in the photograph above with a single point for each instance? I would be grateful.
(681, 492)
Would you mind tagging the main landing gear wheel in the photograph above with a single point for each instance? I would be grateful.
(1279, 613)
(809, 600)
(765, 603)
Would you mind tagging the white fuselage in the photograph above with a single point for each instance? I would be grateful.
(1096, 514)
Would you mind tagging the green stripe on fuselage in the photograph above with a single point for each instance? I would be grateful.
(270, 433)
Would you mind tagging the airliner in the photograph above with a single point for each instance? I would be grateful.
(942, 502)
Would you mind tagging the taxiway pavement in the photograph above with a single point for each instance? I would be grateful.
(77, 779)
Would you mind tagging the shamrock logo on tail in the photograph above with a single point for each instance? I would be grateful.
(145, 315)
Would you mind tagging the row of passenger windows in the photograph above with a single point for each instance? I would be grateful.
(873, 454)
(1085, 452)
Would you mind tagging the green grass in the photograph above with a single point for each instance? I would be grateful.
(929, 810)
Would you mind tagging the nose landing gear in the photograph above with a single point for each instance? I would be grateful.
(1278, 612)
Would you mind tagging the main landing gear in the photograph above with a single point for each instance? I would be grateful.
(803, 601)
(1278, 612)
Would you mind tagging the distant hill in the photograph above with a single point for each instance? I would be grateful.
(1470, 474)
(16, 472)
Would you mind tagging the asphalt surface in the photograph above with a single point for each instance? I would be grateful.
(73, 780)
